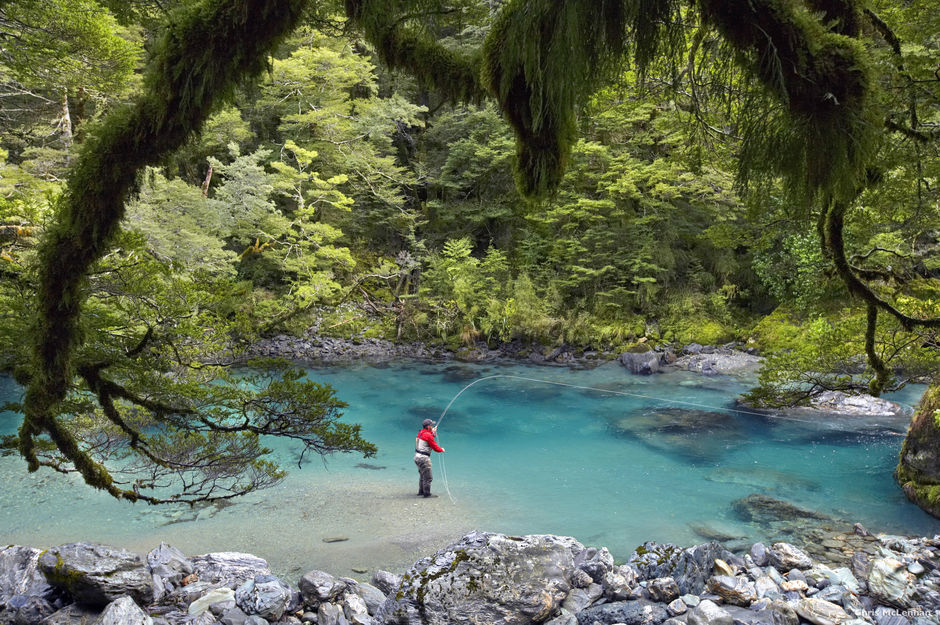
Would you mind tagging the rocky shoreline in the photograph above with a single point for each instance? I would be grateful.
(707, 360)
(485, 578)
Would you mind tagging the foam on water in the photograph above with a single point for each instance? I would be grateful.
(522, 457)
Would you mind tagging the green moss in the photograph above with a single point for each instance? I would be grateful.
(917, 471)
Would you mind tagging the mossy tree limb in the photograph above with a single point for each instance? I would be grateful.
(205, 51)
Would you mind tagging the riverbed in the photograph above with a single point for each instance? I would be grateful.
(610, 458)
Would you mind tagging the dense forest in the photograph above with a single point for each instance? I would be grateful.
(368, 170)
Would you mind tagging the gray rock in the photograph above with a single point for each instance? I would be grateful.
(486, 578)
(890, 583)
(254, 619)
(639, 612)
(764, 586)
(26, 597)
(123, 611)
(233, 616)
(758, 553)
(354, 608)
(708, 613)
(595, 562)
(565, 618)
(619, 583)
(581, 598)
(97, 574)
(860, 563)
(887, 616)
(75, 614)
(215, 595)
(673, 621)
(784, 556)
(691, 600)
(690, 567)
(169, 563)
(319, 586)
(331, 614)
(228, 568)
(821, 612)
(663, 589)
(265, 596)
(783, 613)
(862, 405)
(372, 596)
(386, 582)
(677, 607)
(640, 364)
(734, 590)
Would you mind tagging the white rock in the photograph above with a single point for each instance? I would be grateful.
(215, 595)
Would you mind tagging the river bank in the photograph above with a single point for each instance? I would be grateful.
(486, 578)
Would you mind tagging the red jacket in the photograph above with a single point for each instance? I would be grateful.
(428, 436)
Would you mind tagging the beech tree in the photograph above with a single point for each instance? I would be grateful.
(814, 119)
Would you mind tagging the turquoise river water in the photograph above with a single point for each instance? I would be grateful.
(663, 455)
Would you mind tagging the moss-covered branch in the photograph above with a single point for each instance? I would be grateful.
(207, 48)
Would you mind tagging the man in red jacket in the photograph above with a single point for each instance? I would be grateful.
(424, 443)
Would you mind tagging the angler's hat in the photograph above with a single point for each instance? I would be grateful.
(428, 423)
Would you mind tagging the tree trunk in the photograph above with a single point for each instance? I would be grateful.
(918, 470)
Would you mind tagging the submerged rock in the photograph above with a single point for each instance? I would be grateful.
(699, 436)
(764, 510)
(97, 574)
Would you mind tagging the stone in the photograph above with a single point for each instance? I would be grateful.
(330, 614)
(386, 582)
(709, 613)
(25, 595)
(254, 619)
(354, 608)
(796, 575)
(372, 596)
(890, 582)
(565, 618)
(723, 568)
(319, 586)
(765, 510)
(782, 613)
(663, 589)
(123, 611)
(784, 556)
(581, 598)
(796, 585)
(265, 596)
(221, 607)
(758, 553)
(233, 616)
(638, 612)
(215, 595)
(74, 614)
(595, 562)
(841, 576)
(733, 590)
(646, 363)
(228, 568)
(690, 600)
(97, 574)
(169, 563)
(916, 568)
(887, 616)
(619, 583)
(821, 612)
(764, 586)
(677, 607)
(690, 567)
(487, 578)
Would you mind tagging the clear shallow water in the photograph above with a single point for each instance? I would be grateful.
(522, 457)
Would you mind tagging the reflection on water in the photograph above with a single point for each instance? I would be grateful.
(522, 457)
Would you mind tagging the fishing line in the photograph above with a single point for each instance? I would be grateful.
(599, 390)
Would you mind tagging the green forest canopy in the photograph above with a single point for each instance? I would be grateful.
(615, 173)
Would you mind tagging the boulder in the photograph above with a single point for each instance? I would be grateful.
(860, 405)
(169, 563)
(372, 596)
(96, 574)
(318, 586)
(331, 614)
(640, 364)
(595, 562)
(74, 614)
(783, 613)
(891, 583)
(638, 612)
(784, 556)
(215, 595)
(233, 616)
(354, 608)
(581, 598)
(264, 595)
(386, 582)
(486, 578)
(663, 589)
(733, 590)
(690, 567)
(763, 509)
(123, 611)
(26, 596)
(677, 607)
(619, 583)
(821, 612)
(228, 568)
(708, 613)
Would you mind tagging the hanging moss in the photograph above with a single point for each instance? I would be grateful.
(207, 48)
(918, 470)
